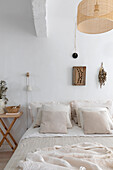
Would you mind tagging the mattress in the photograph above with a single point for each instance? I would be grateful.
(32, 140)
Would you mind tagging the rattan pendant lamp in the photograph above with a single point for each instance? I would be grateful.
(95, 16)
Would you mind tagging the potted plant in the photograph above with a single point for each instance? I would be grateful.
(3, 98)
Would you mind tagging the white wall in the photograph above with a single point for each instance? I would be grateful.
(49, 59)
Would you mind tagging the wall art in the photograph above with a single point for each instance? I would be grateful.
(79, 76)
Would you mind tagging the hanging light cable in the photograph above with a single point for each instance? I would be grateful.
(75, 54)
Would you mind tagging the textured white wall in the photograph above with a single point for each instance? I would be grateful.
(49, 59)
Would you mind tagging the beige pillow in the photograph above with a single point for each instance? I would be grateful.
(53, 122)
(60, 108)
(34, 107)
(55, 107)
(96, 122)
(88, 103)
(89, 109)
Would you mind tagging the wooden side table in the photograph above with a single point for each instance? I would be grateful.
(14, 117)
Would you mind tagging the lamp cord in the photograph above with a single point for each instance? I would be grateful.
(75, 47)
(27, 100)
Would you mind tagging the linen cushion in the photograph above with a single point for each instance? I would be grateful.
(96, 122)
(75, 105)
(53, 122)
(35, 110)
(60, 108)
(91, 109)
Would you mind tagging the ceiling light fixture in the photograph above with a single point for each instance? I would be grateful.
(95, 16)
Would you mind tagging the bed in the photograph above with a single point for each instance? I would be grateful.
(32, 140)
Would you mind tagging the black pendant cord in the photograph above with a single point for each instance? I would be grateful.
(75, 54)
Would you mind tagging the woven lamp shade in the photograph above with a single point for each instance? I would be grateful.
(95, 16)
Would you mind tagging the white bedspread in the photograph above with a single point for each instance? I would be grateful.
(32, 140)
(75, 131)
(30, 144)
(86, 156)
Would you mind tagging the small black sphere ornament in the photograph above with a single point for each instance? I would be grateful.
(75, 55)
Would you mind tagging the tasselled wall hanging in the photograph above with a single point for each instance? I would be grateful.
(102, 77)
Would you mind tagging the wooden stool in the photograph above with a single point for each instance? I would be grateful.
(15, 116)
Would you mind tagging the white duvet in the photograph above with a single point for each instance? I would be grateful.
(86, 156)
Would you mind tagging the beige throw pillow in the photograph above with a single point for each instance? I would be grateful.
(60, 108)
(53, 122)
(89, 109)
(75, 105)
(55, 107)
(96, 122)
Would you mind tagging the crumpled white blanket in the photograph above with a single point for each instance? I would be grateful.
(85, 156)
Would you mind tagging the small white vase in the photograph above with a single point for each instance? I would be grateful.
(2, 106)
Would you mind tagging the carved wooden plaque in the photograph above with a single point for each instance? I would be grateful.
(79, 76)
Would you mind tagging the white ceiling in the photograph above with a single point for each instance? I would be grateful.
(69, 8)
(25, 9)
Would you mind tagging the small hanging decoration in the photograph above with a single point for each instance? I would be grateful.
(75, 55)
(102, 76)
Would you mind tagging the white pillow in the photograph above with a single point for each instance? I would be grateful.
(33, 109)
(59, 108)
(96, 122)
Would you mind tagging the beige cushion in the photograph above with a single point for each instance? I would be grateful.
(95, 109)
(35, 106)
(96, 122)
(75, 105)
(53, 107)
(58, 108)
(91, 109)
(53, 122)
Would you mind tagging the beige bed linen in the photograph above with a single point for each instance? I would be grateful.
(89, 156)
(31, 144)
